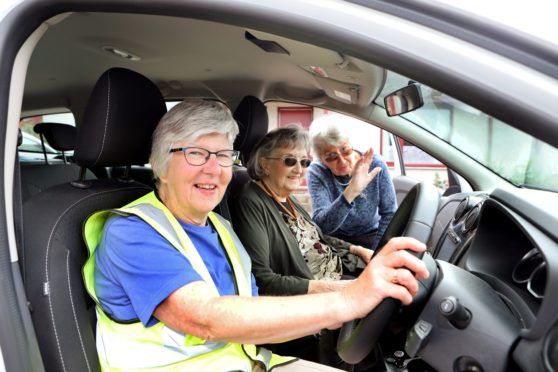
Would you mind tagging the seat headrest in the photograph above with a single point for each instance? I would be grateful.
(121, 115)
(251, 115)
(61, 137)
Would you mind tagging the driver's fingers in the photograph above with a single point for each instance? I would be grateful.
(403, 259)
(405, 278)
(402, 243)
(399, 292)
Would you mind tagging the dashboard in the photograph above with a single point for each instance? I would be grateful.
(497, 262)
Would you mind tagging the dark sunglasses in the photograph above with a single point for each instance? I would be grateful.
(333, 156)
(290, 161)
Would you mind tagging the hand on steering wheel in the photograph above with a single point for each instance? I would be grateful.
(415, 218)
(389, 274)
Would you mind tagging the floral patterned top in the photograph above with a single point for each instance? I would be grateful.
(322, 261)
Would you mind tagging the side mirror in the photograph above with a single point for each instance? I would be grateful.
(404, 100)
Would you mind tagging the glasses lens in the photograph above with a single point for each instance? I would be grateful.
(196, 156)
(226, 158)
(289, 161)
(305, 163)
(332, 156)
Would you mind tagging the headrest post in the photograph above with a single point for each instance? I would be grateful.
(81, 183)
(44, 148)
(125, 177)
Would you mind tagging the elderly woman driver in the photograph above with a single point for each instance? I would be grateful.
(172, 283)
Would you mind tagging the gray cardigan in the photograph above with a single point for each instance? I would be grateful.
(277, 264)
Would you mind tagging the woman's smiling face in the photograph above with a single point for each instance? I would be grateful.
(191, 192)
(281, 178)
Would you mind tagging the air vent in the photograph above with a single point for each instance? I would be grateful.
(471, 219)
(461, 209)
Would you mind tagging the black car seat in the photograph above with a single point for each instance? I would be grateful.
(122, 112)
(251, 116)
(38, 176)
(253, 122)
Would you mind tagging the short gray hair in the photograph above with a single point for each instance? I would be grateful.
(287, 137)
(332, 129)
(188, 121)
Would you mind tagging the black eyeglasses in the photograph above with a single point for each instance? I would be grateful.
(198, 156)
(290, 161)
(333, 156)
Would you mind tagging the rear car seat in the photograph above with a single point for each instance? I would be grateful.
(38, 176)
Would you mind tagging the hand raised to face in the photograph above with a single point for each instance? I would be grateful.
(361, 177)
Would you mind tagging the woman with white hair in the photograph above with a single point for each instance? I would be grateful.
(352, 194)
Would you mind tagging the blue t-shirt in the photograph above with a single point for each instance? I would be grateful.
(136, 268)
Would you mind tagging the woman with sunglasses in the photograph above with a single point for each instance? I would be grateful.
(352, 194)
(290, 254)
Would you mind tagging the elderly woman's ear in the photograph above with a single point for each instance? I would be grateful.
(264, 167)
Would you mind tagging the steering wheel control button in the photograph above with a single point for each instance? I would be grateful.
(417, 337)
(455, 312)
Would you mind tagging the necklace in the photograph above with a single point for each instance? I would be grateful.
(292, 213)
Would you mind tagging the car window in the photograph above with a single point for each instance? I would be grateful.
(31, 143)
(414, 162)
(31, 147)
(171, 104)
(534, 164)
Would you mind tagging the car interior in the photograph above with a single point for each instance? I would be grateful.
(37, 176)
(492, 246)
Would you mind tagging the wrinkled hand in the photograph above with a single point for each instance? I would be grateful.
(389, 274)
(360, 176)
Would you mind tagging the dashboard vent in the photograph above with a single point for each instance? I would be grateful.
(461, 209)
(471, 219)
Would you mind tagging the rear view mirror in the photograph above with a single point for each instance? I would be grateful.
(403, 100)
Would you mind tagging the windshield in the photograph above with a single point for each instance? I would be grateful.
(514, 155)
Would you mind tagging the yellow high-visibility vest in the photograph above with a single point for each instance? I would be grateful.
(124, 345)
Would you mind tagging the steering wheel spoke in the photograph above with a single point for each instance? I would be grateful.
(415, 218)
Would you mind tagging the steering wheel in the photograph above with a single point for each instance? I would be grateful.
(415, 218)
